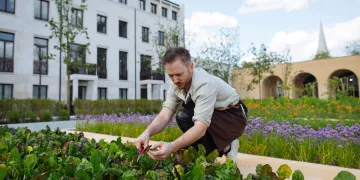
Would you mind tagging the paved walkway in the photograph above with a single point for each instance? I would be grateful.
(42, 125)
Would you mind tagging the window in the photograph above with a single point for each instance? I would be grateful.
(123, 29)
(82, 92)
(102, 93)
(174, 15)
(153, 8)
(164, 12)
(6, 52)
(7, 6)
(40, 56)
(42, 10)
(123, 93)
(6, 91)
(142, 4)
(145, 34)
(101, 63)
(77, 17)
(40, 93)
(77, 53)
(123, 65)
(101, 24)
(123, 1)
(161, 38)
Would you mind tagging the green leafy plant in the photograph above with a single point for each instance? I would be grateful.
(64, 115)
(45, 116)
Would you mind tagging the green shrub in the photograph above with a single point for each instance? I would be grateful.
(64, 115)
(117, 106)
(45, 116)
(31, 117)
(14, 116)
(24, 106)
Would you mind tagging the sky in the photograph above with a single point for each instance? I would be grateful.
(276, 23)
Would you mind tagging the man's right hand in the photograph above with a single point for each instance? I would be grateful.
(142, 141)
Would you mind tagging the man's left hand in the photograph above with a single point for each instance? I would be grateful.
(165, 149)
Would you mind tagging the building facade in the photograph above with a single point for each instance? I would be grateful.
(316, 72)
(121, 36)
(320, 78)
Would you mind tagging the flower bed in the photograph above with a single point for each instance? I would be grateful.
(339, 146)
(50, 154)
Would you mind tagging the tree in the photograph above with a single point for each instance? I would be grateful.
(286, 60)
(262, 62)
(353, 48)
(65, 30)
(221, 54)
(322, 55)
(167, 37)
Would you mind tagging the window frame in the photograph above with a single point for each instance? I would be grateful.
(2, 86)
(145, 36)
(41, 7)
(153, 8)
(6, 9)
(174, 13)
(161, 40)
(121, 93)
(47, 61)
(77, 10)
(123, 1)
(39, 90)
(13, 51)
(125, 66)
(144, 5)
(97, 62)
(99, 93)
(97, 22)
(164, 10)
(121, 24)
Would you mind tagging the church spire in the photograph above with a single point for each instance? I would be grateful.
(322, 47)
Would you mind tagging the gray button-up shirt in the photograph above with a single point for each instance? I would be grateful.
(208, 92)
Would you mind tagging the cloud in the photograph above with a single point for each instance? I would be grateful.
(304, 43)
(203, 25)
(212, 19)
(252, 6)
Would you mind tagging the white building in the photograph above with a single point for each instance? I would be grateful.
(117, 46)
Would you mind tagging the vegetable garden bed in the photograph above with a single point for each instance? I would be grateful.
(50, 154)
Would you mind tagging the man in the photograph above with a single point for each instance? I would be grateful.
(213, 114)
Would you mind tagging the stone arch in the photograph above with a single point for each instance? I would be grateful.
(272, 87)
(344, 80)
(305, 84)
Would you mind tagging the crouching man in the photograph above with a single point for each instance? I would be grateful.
(212, 115)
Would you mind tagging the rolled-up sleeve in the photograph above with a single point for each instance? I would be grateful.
(204, 99)
(172, 101)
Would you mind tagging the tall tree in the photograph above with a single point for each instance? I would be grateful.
(353, 48)
(262, 62)
(167, 37)
(221, 53)
(65, 28)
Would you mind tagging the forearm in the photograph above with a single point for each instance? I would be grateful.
(156, 126)
(160, 122)
(190, 136)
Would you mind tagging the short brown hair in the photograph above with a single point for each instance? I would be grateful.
(174, 52)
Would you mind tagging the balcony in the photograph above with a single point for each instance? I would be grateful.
(90, 70)
(152, 75)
